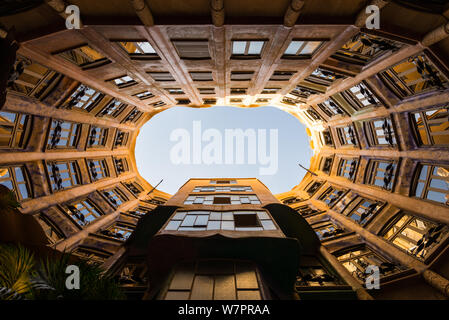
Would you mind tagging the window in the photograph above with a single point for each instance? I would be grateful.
(210, 101)
(98, 169)
(262, 100)
(313, 274)
(381, 173)
(307, 211)
(282, 75)
(361, 96)
(16, 179)
(32, 79)
(63, 134)
(344, 202)
(183, 101)
(83, 212)
(364, 210)
(222, 199)
(121, 165)
(432, 126)
(133, 116)
(192, 49)
(326, 138)
(347, 168)
(140, 211)
(432, 183)
(364, 48)
(238, 91)
(222, 181)
(413, 76)
(302, 49)
(158, 104)
(175, 91)
(155, 201)
(124, 82)
(84, 57)
(323, 77)
(138, 49)
(331, 196)
(347, 135)
(247, 48)
(97, 136)
(326, 164)
(161, 76)
(226, 220)
(290, 100)
(14, 129)
(114, 196)
(51, 230)
(206, 90)
(291, 200)
(201, 76)
(83, 98)
(270, 90)
(416, 236)
(134, 188)
(214, 280)
(380, 132)
(358, 259)
(112, 109)
(121, 138)
(331, 108)
(91, 255)
(327, 230)
(314, 186)
(241, 75)
(118, 231)
(144, 95)
(303, 92)
(235, 100)
(63, 175)
(222, 189)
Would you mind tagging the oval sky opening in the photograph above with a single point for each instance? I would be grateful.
(223, 142)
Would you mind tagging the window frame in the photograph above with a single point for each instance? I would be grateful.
(305, 41)
(246, 55)
(73, 170)
(25, 133)
(86, 65)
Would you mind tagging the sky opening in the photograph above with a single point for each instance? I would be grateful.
(220, 142)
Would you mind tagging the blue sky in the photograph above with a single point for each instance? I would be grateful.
(153, 146)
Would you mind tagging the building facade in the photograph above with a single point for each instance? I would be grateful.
(374, 103)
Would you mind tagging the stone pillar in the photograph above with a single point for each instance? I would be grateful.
(362, 16)
(59, 6)
(437, 281)
(436, 35)
(143, 12)
(217, 12)
(293, 12)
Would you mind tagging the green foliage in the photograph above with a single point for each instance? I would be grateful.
(21, 277)
(16, 270)
(8, 199)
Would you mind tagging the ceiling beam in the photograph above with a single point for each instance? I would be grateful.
(143, 12)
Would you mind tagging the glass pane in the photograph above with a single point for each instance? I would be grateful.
(293, 47)
(255, 47)
(238, 47)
